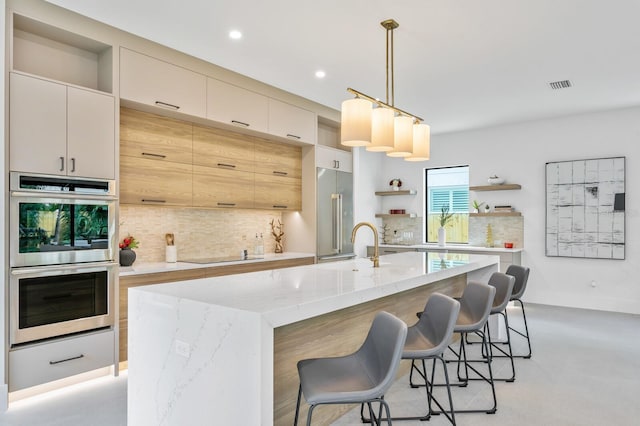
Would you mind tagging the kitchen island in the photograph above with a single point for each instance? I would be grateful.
(223, 350)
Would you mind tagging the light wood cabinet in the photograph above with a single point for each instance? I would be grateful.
(278, 192)
(234, 105)
(151, 81)
(60, 130)
(278, 159)
(216, 187)
(155, 137)
(291, 122)
(222, 149)
(145, 181)
(332, 158)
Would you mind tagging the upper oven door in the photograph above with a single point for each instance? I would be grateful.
(62, 228)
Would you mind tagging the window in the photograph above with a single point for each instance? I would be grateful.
(448, 187)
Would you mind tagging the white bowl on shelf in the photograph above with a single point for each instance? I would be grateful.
(495, 180)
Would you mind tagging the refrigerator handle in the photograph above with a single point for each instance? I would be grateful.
(336, 223)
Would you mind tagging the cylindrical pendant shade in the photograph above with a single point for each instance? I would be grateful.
(381, 130)
(421, 143)
(402, 137)
(356, 122)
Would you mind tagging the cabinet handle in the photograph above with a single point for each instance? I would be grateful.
(233, 166)
(240, 123)
(279, 207)
(62, 164)
(338, 163)
(148, 200)
(276, 172)
(390, 251)
(227, 204)
(166, 105)
(65, 360)
(289, 135)
(149, 154)
(73, 165)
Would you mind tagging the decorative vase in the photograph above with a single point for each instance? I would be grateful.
(395, 188)
(442, 236)
(127, 257)
(487, 209)
(476, 211)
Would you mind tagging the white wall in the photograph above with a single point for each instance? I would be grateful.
(518, 153)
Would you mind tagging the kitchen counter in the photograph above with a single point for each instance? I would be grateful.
(159, 267)
(224, 349)
(455, 247)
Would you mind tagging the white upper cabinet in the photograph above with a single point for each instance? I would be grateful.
(291, 122)
(233, 105)
(60, 130)
(331, 158)
(154, 82)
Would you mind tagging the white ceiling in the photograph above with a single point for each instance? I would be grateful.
(459, 64)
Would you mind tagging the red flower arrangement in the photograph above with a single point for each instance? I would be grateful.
(128, 243)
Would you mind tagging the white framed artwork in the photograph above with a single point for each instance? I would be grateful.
(585, 208)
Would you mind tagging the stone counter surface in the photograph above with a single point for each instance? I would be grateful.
(202, 351)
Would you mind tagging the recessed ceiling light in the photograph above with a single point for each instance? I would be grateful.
(235, 35)
(320, 74)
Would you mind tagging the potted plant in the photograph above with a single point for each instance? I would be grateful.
(476, 206)
(127, 255)
(444, 218)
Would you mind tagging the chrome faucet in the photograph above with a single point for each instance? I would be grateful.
(375, 258)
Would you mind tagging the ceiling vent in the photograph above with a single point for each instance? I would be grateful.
(562, 84)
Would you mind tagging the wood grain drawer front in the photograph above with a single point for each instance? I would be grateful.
(222, 149)
(278, 159)
(154, 137)
(151, 182)
(46, 362)
(278, 192)
(213, 187)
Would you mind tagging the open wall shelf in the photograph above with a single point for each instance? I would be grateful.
(503, 187)
(404, 192)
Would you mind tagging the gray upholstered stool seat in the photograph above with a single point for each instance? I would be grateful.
(361, 377)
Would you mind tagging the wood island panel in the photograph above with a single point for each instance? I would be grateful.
(339, 333)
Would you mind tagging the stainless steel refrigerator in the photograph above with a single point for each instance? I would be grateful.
(335, 215)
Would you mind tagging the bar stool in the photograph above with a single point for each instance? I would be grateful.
(503, 284)
(428, 339)
(359, 378)
(475, 306)
(521, 273)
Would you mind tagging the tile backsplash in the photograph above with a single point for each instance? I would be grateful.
(199, 233)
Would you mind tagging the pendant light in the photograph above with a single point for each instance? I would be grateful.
(384, 128)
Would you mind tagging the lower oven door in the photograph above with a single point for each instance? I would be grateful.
(53, 301)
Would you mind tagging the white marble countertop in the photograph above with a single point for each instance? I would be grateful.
(456, 247)
(284, 296)
(158, 267)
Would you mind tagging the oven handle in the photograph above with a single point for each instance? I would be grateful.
(63, 196)
(51, 269)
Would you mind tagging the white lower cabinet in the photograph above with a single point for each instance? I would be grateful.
(49, 361)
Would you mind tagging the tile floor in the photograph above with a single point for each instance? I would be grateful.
(585, 370)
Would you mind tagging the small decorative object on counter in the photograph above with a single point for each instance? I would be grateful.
(489, 236)
(127, 255)
(476, 206)
(171, 252)
(278, 232)
(508, 245)
(395, 184)
(258, 246)
(445, 217)
(487, 208)
(495, 180)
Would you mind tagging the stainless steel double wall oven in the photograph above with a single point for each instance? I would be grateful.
(62, 248)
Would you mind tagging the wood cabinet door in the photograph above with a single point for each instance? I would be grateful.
(233, 105)
(278, 159)
(215, 187)
(155, 137)
(222, 149)
(151, 182)
(91, 143)
(278, 192)
(154, 82)
(291, 122)
(37, 125)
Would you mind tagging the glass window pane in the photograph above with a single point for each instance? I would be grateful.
(448, 187)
